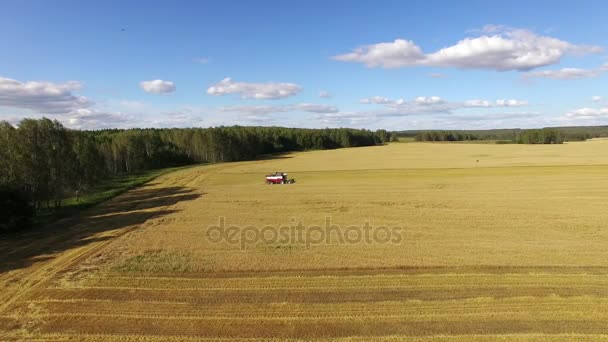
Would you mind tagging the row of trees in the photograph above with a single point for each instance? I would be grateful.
(445, 136)
(43, 163)
(575, 133)
(529, 136)
(540, 136)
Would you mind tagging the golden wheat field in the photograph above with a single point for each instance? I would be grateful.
(496, 242)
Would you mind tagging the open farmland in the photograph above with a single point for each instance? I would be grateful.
(497, 241)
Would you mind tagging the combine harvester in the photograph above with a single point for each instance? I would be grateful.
(278, 178)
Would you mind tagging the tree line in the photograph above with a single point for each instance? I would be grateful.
(574, 133)
(540, 136)
(526, 136)
(445, 136)
(42, 163)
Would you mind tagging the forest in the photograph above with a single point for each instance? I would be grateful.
(571, 133)
(42, 162)
(540, 136)
(526, 136)
(445, 136)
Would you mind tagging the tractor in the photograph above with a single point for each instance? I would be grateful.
(278, 178)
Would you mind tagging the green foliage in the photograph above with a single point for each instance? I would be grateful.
(103, 190)
(574, 133)
(445, 136)
(540, 136)
(47, 164)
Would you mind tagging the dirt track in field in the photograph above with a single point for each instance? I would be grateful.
(137, 267)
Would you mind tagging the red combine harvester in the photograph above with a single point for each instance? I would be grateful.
(278, 178)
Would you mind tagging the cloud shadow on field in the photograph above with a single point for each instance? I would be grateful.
(124, 212)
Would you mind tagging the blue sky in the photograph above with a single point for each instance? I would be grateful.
(393, 65)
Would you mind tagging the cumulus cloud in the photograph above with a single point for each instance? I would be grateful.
(94, 119)
(567, 73)
(315, 108)
(596, 98)
(435, 104)
(42, 96)
(422, 100)
(498, 48)
(510, 103)
(377, 100)
(132, 105)
(477, 103)
(496, 116)
(258, 91)
(175, 119)
(346, 119)
(253, 110)
(157, 86)
(587, 113)
(399, 53)
(497, 103)
(265, 110)
(324, 94)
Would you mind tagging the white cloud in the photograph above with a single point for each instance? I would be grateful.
(315, 108)
(435, 104)
(596, 98)
(477, 103)
(566, 73)
(257, 119)
(587, 113)
(157, 86)
(94, 119)
(399, 53)
(258, 91)
(346, 119)
(253, 110)
(496, 116)
(11, 119)
(175, 120)
(377, 100)
(422, 100)
(42, 96)
(324, 94)
(511, 103)
(506, 49)
(497, 103)
(132, 105)
(265, 110)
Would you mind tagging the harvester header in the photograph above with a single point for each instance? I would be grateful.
(278, 178)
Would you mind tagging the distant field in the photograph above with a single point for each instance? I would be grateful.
(497, 242)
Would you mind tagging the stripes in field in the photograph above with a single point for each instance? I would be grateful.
(325, 306)
(311, 328)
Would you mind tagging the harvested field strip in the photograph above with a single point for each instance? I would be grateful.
(245, 289)
(384, 271)
(312, 328)
(344, 282)
(572, 307)
(316, 296)
(364, 318)
(444, 337)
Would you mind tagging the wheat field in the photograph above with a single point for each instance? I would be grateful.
(497, 242)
